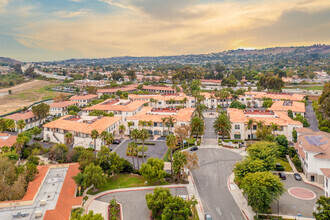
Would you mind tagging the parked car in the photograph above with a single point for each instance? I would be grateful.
(194, 148)
(161, 138)
(297, 176)
(282, 176)
(208, 217)
(116, 141)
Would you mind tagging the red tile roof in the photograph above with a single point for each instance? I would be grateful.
(66, 199)
(325, 171)
(62, 104)
(21, 116)
(83, 97)
(7, 140)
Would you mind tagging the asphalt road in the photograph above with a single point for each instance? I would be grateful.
(134, 202)
(209, 131)
(311, 117)
(289, 205)
(211, 181)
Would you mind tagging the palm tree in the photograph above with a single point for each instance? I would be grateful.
(250, 125)
(171, 143)
(109, 139)
(151, 100)
(260, 124)
(164, 121)
(94, 135)
(274, 127)
(11, 124)
(142, 123)
(68, 139)
(79, 180)
(104, 136)
(135, 134)
(150, 124)
(184, 102)
(129, 125)
(170, 122)
(199, 110)
(144, 135)
(222, 124)
(197, 126)
(155, 101)
(132, 150)
(21, 125)
(122, 129)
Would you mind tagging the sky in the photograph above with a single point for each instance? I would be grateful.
(47, 30)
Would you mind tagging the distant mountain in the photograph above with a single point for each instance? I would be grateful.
(316, 50)
(8, 61)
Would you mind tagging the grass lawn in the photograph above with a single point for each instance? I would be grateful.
(306, 87)
(167, 155)
(195, 214)
(285, 164)
(124, 181)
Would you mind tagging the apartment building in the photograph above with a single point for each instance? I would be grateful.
(285, 106)
(159, 89)
(83, 100)
(112, 91)
(240, 118)
(119, 107)
(326, 174)
(156, 116)
(81, 127)
(179, 100)
(28, 117)
(59, 109)
(313, 148)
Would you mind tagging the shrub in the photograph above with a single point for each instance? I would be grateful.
(296, 161)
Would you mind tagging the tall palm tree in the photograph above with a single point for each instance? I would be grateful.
(170, 120)
(184, 102)
(104, 136)
(21, 125)
(155, 101)
(151, 100)
(222, 124)
(144, 135)
(250, 125)
(197, 126)
(150, 124)
(164, 122)
(94, 135)
(142, 123)
(171, 143)
(260, 124)
(135, 134)
(122, 129)
(129, 125)
(199, 110)
(69, 139)
(132, 149)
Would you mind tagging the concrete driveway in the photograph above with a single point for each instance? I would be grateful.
(134, 202)
(311, 117)
(211, 181)
(156, 151)
(289, 205)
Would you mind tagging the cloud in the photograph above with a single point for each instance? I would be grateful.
(141, 27)
(3, 4)
(71, 14)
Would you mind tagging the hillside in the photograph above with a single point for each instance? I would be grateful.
(223, 57)
(8, 61)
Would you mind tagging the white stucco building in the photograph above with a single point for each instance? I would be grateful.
(59, 109)
(83, 100)
(28, 117)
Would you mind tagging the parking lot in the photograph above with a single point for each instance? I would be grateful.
(290, 205)
(157, 151)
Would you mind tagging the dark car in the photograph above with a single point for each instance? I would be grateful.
(161, 138)
(193, 148)
(116, 141)
(282, 176)
(208, 217)
(297, 176)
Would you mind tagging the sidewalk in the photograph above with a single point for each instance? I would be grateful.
(237, 194)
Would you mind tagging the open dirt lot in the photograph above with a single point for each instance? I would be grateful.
(24, 95)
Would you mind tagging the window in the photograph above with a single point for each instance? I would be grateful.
(254, 127)
(237, 127)
(306, 155)
(237, 136)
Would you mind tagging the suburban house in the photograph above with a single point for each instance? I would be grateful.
(83, 100)
(119, 107)
(59, 109)
(285, 106)
(239, 119)
(326, 174)
(7, 140)
(166, 101)
(81, 128)
(112, 91)
(159, 89)
(87, 82)
(210, 82)
(313, 148)
(28, 117)
(156, 116)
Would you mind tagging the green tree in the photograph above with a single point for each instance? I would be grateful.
(261, 189)
(73, 108)
(10, 124)
(153, 170)
(284, 143)
(246, 166)
(94, 136)
(87, 157)
(135, 135)
(178, 209)
(129, 125)
(171, 144)
(93, 175)
(294, 136)
(89, 216)
(122, 130)
(143, 136)
(156, 202)
(237, 104)
(58, 152)
(290, 114)
(197, 126)
(265, 133)
(179, 161)
(21, 125)
(131, 151)
(322, 211)
(265, 151)
(222, 125)
(41, 110)
(131, 75)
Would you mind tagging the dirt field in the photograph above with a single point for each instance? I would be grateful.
(24, 95)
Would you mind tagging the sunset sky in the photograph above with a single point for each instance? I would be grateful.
(44, 30)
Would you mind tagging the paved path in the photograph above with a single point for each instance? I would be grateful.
(310, 115)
